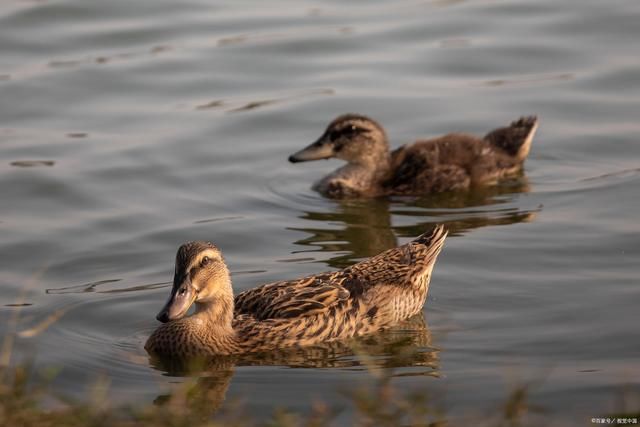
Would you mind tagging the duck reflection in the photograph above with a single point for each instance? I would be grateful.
(365, 227)
(367, 230)
(406, 345)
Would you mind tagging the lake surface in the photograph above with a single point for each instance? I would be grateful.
(128, 128)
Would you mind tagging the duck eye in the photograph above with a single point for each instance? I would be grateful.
(182, 291)
(351, 130)
(205, 261)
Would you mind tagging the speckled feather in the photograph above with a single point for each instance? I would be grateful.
(374, 294)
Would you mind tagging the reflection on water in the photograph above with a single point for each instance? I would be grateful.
(248, 105)
(205, 396)
(466, 211)
(407, 345)
(366, 227)
(365, 230)
(32, 163)
(99, 286)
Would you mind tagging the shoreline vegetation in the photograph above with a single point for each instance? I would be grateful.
(26, 399)
(23, 393)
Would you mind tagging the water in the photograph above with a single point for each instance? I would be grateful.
(127, 128)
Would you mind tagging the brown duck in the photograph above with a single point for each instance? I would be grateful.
(374, 294)
(455, 161)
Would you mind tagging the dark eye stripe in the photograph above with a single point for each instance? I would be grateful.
(357, 129)
(348, 131)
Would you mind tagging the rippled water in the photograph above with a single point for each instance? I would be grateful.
(127, 128)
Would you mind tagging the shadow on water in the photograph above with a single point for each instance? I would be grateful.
(363, 228)
(407, 345)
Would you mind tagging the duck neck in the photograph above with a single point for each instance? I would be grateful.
(371, 169)
(217, 312)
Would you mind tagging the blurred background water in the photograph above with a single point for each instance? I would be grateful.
(127, 128)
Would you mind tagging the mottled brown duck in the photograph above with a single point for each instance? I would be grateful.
(456, 161)
(374, 294)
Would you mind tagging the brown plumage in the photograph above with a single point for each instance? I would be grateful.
(374, 294)
(454, 161)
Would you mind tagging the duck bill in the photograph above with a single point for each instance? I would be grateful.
(183, 294)
(317, 151)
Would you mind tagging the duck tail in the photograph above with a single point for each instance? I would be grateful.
(516, 138)
(427, 247)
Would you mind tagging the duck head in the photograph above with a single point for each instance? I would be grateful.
(351, 137)
(201, 276)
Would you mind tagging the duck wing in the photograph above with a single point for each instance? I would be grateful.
(294, 298)
(370, 282)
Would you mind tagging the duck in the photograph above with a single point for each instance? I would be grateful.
(374, 294)
(452, 162)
